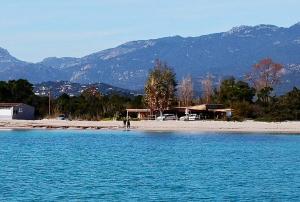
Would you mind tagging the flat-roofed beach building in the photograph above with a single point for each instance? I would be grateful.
(205, 111)
(9, 111)
(139, 113)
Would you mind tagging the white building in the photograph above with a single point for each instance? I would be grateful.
(16, 111)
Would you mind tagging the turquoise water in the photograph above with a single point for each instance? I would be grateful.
(136, 166)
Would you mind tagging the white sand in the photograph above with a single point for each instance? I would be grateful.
(193, 126)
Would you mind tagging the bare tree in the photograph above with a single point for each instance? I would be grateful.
(207, 87)
(265, 74)
(160, 87)
(186, 92)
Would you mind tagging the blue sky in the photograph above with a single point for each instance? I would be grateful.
(34, 29)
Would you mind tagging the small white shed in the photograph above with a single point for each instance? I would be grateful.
(20, 111)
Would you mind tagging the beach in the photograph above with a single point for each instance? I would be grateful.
(186, 126)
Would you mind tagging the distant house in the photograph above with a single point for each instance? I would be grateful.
(20, 111)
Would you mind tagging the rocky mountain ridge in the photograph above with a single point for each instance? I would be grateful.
(221, 54)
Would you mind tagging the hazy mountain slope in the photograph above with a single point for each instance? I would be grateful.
(227, 53)
(12, 68)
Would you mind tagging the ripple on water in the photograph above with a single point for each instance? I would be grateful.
(116, 165)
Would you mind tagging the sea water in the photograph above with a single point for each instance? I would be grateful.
(66, 165)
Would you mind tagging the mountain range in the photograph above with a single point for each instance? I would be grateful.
(221, 54)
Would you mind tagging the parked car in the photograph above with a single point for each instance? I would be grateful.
(184, 118)
(193, 117)
(190, 117)
(61, 117)
(160, 118)
(170, 117)
(166, 117)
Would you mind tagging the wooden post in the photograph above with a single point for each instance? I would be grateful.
(49, 103)
(127, 119)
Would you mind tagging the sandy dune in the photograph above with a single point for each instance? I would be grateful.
(218, 126)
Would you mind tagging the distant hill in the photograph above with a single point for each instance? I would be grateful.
(221, 54)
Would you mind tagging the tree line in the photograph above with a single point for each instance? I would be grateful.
(90, 105)
(250, 98)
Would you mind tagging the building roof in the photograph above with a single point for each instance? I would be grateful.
(221, 110)
(138, 110)
(204, 107)
(5, 105)
(9, 104)
(198, 107)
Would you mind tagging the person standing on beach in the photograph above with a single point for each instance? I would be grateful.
(124, 122)
(128, 123)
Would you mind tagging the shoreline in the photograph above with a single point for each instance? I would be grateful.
(289, 127)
